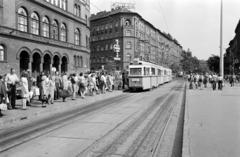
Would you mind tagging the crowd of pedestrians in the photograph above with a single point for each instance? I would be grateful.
(201, 81)
(48, 87)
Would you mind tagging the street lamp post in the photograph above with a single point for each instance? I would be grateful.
(221, 36)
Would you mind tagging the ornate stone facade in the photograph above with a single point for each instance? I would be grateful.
(41, 34)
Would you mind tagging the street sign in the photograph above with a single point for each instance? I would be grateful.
(116, 48)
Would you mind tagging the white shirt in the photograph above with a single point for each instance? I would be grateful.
(11, 79)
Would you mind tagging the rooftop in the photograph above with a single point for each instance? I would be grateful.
(119, 10)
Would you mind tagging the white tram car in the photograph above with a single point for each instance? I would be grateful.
(145, 75)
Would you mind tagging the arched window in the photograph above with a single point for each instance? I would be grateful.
(63, 34)
(45, 27)
(79, 11)
(22, 20)
(77, 37)
(75, 9)
(55, 30)
(127, 22)
(34, 24)
(2, 53)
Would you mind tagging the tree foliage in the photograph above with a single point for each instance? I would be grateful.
(213, 63)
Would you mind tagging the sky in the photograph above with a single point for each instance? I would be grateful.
(194, 23)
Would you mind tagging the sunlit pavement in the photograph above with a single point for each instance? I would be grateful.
(212, 123)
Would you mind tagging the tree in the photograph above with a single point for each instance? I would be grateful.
(213, 63)
(189, 63)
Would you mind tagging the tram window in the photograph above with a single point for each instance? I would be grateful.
(165, 72)
(159, 72)
(135, 71)
(153, 71)
(146, 71)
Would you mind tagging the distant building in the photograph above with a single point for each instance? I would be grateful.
(137, 39)
(232, 56)
(41, 34)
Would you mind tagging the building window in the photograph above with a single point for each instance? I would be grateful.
(81, 61)
(86, 18)
(34, 24)
(129, 45)
(79, 11)
(77, 37)
(2, 53)
(127, 22)
(22, 20)
(87, 41)
(63, 4)
(128, 32)
(75, 60)
(76, 9)
(46, 27)
(56, 2)
(63, 34)
(55, 30)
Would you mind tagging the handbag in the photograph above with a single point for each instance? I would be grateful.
(3, 107)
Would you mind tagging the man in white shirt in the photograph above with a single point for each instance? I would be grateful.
(11, 80)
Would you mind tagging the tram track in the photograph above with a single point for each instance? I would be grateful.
(14, 137)
(142, 124)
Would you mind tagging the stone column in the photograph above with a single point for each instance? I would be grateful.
(30, 64)
(41, 65)
(51, 65)
(59, 66)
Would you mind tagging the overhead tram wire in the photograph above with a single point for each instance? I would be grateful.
(163, 15)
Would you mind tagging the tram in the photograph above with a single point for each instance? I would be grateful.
(144, 75)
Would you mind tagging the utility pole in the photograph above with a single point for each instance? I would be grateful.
(221, 36)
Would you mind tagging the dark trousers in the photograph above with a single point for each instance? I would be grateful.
(12, 95)
(219, 85)
(214, 85)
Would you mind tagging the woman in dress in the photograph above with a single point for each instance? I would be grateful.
(25, 90)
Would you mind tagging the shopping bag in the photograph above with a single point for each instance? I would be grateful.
(37, 92)
(3, 107)
(7, 100)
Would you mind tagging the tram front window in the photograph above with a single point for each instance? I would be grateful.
(135, 71)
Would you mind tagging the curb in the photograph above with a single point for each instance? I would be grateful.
(186, 132)
(58, 107)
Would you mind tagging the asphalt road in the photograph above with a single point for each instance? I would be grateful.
(131, 124)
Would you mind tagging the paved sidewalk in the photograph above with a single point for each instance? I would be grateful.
(212, 123)
(12, 117)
